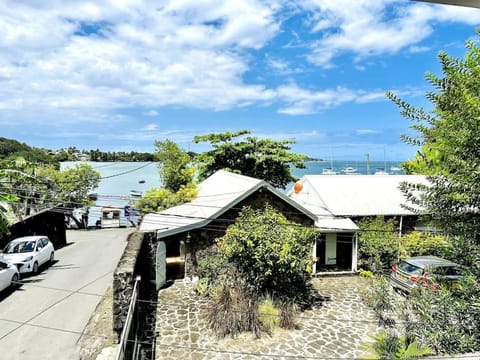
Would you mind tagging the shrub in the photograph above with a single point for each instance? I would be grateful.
(366, 273)
(417, 243)
(233, 310)
(379, 296)
(269, 314)
(378, 244)
(270, 253)
(388, 345)
(448, 318)
(288, 312)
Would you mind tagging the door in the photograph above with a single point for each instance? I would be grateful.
(161, 265)
(41, 252)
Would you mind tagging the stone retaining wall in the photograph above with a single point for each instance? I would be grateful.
(124, 278)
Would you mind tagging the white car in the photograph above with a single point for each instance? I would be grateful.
(8, 275)
(28, 253)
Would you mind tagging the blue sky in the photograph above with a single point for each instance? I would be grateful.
(118, 75)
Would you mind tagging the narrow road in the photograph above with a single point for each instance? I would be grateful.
(45, 316)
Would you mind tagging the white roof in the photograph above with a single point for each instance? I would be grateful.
(216, 195)
(355, 195)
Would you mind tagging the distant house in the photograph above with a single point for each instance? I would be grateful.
(184, 231)
(356, 197)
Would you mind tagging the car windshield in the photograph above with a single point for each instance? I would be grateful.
(410, 268)
(19, 247)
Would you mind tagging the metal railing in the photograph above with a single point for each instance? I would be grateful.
(127, 327)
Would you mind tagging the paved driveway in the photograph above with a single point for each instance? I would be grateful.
(45, 317)
(337, 328)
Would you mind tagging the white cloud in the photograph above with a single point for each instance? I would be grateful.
(366, 131)
(365, 28)
(109, 55)
(151, 113)
(301, 101)
(150, 127)
(81, 62)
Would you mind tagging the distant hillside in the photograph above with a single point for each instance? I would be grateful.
(12, 149)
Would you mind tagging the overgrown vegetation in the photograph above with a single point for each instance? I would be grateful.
(30, 187)
(258, 274)
(432, 319)
(378, 244)
(449, 136)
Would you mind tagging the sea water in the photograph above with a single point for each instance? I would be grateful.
(118, 179)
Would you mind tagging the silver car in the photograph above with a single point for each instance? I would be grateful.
(28, 253)
(413, 271)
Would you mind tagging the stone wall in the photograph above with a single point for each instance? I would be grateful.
(124, 279)
(138, 259)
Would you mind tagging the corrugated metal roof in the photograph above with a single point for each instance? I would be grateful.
(356, 195)
(216, 195)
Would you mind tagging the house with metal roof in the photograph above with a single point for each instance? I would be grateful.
(353, 197)
(184, 231)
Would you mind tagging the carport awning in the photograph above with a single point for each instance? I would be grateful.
(333, 224)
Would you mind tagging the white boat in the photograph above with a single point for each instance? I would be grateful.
(395, 169)
(328, 171)
(136, 193)
(380, 171)
(350, 171)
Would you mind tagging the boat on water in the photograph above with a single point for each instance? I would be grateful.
(349, 170)
(395, 169)
(141, 181)
(329, 171)
(380, 171)
(136, 193)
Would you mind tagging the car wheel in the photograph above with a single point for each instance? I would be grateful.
(52, 257)
(35, 268)
(14, 280)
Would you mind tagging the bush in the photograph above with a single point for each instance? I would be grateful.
(288, 312)
(270, 253)
(378, 244)
(233, 310)
(448, 318)
(379, 296)
(443, 319)
(389, 345)
(417, 243)
(269, 314)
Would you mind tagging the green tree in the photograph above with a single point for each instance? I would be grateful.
(39, 186)
(174, 165)
(450, 136)
(156, 200)
(71, 186)
(177, 177)
(264, 159)
(269, 253)
(378, 243)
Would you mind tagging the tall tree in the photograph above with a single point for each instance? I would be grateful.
(449, 137)
(265, 159)
(177, 176)
(174, 165)
(40, 186)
